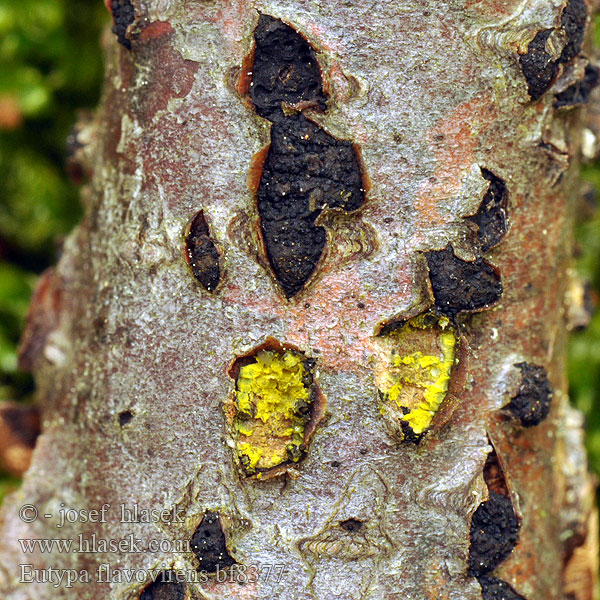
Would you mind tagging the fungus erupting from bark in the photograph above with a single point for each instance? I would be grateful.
(210, 545)
(491, 217)
(202, 254)
(494, 532)
(493, 588)
(539, 64)
(275, 408)
(579, 92)
(459, 285)
(123, 15)
(414, 373)
(306, 169)
(164, 587)
(531, 405)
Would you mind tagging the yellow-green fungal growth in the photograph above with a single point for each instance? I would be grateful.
(415, 378)
(272, 404)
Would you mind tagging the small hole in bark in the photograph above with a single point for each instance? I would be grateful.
(459, 285)
(491, 217)
(125, 417)
(202, 254)
(351, 525)
(123, 15)
(210, 546)
(493, 588)
(165, 587)
(531, 405)
(494, 533)
(335, 464)
(494, 475)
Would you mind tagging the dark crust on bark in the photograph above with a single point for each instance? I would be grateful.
(537, 65)
(578, 93)
(307, 170)
(494, 531)
(573, 22)
(459, 285)
(493, 588)
(539, 69)
(202, 253)
(123, 16)
(491, 216)
(165, 587)
(531, 405)
(285, 69)
(210, 545)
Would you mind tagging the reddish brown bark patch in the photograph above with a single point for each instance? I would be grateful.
(494, 475)
(168, 74)
(43, 318)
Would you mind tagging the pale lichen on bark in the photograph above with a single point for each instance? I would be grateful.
(133, 358)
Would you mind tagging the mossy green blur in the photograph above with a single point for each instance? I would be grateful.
(50, 65)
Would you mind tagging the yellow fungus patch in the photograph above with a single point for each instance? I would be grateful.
(414, 371)
(272, 401)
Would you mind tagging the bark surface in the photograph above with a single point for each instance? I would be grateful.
(179, 287)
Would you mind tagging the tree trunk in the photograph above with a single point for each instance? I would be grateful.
(316, 311)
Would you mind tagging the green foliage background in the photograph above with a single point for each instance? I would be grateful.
(50, 66)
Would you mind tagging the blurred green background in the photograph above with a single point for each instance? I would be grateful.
(51, 66)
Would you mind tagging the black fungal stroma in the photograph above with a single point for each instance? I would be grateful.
(579, 92)
(123, 15)
(285, 70)
(164, 587)
(202, 254)
(531, 405)
(491, 217)
(494, 531)
(493, 588)
(209, 545)
(459, 285)
(306, 169)
(539, 69)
